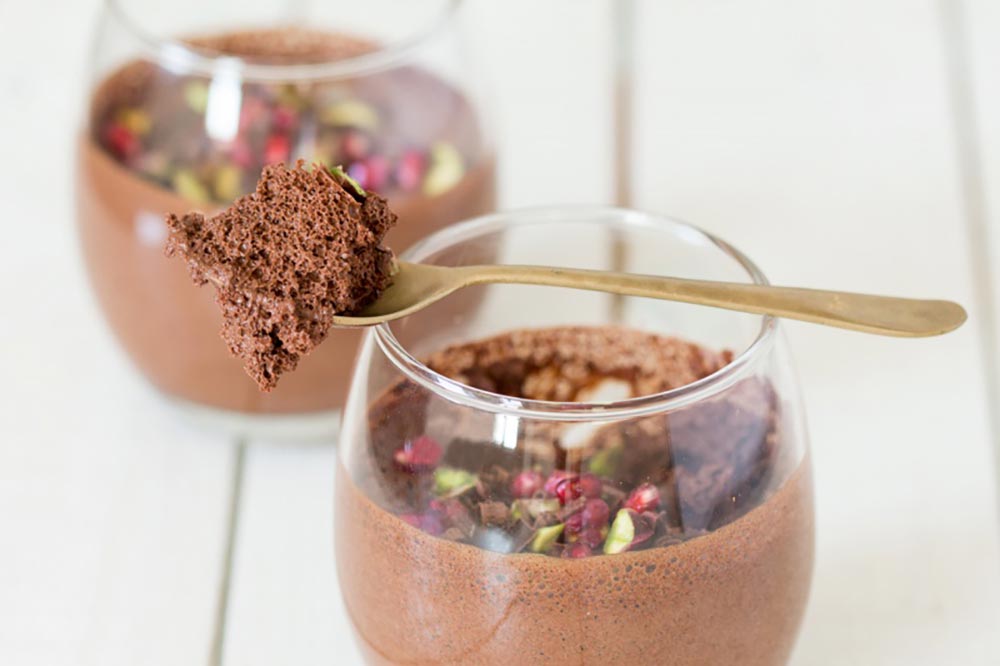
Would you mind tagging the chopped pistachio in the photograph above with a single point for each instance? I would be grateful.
(196, 96)
(187, 185)
(545, 538)
(605, 462)
(533, 508)
(621, 533)
(446, 169)
(350, 113)
(137, 121)
(340, 173)
(451, 481)
(493, 513)
(227, 183)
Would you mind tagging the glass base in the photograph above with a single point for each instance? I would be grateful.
(318, 428)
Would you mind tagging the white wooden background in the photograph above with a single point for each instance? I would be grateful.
(841, 143)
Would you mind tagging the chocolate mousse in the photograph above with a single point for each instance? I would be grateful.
(160, 141)
(305, 246)
(676, 538)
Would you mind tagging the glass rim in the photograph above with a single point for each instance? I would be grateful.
(639, 406)
(173, 52)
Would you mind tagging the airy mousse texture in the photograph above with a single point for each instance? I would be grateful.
(305, 246)
(155, 144)
(681, 538)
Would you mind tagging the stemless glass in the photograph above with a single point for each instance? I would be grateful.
(543, 497)
(191, 99)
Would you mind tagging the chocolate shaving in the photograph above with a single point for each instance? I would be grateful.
(493, 513)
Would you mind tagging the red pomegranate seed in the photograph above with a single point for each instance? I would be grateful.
(418, 455)
(355, 146)
(284, 118)
(644, 498)
(590, 486)
(578, 550)
(358, 171)
(572, 486)
(431, 523)
(276, 149)
(378, 172)
(121, 141)
(526, 484)
(410, 170)
(552, 483)
(595, 513)
(591, 536)
(240, 153)
(411, 518)
(573, 526)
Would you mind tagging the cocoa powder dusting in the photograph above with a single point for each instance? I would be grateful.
(302, 248)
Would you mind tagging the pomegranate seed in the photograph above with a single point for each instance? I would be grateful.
(252, 110)
(595, 513)
(240, 153)
(574, 525)
(526, 484)
(590, 486)
(378, 171)
(411, 518)
(451, 508)
(420, 454)
(284, 118)
(276, 149)
(121, 141)
(355, 146)
(431, 523)
(644, 498)
(358, 172)
(591, 536)
(410, 170)
(552, 483)
(578, 550)
(571, 487)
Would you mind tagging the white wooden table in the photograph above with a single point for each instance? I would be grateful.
(841, 143)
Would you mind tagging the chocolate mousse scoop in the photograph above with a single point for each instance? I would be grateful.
(305, 246)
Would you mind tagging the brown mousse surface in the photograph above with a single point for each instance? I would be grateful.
(718, 567)
(305, 246)
(146, 154)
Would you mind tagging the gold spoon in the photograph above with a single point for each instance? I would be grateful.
(415, 286)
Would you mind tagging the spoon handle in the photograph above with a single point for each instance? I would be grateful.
(884, 315)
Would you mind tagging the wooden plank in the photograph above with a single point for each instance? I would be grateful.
(285, 602)
(972, 27)
(110, 537)
(825, 151)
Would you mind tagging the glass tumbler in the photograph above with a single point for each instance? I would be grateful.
(191, 99)
(559, 476)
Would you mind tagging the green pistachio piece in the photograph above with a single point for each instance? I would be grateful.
(196, 96)
(445, 171)
(451, 481)
(605, 462)
(621, 534)
(545, 537)
(227, 182)
(532, 508)
(136, 120)
(187, 185)
(340, 173)
(350, 113)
